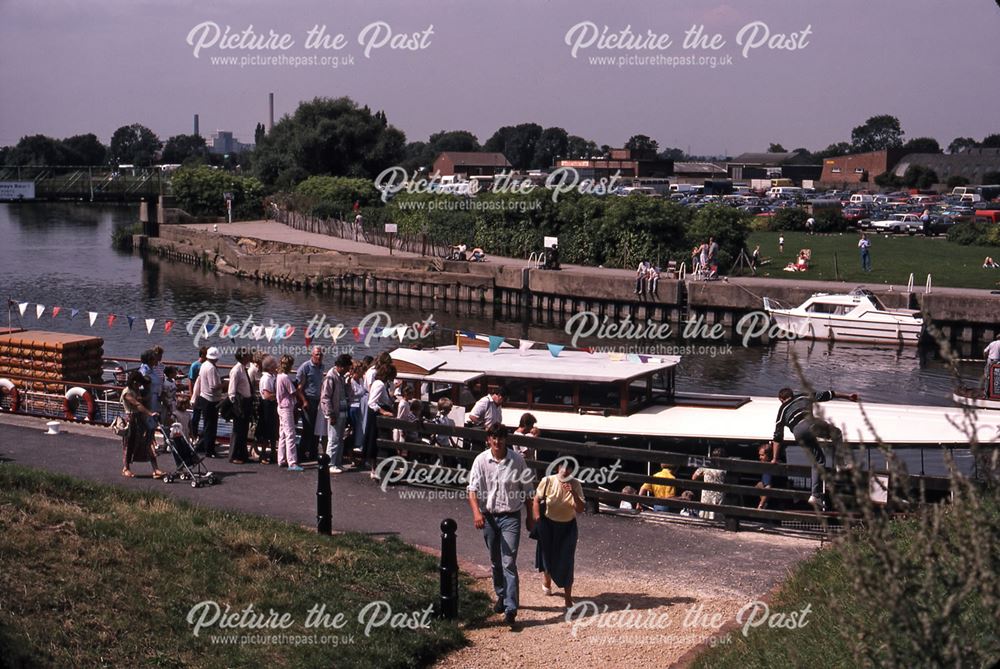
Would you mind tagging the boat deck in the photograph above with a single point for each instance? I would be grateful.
(754, 421)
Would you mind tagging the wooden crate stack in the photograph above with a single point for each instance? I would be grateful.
(50, 359)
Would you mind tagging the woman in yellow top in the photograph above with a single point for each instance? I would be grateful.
(557, 531)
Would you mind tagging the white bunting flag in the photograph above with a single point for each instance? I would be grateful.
(39, 310)
(149, 325)
(525, 345)
(22, 307)
(93, 317)
(401, 333)
(269, 332)
(257, 331)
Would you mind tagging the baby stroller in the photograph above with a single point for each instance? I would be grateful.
(190, 466)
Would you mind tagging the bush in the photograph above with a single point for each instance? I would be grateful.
(200, 192)
(728, 226)
(792, 218)
(830, 220)
(955, 181)
(339, 190)
(968, 233)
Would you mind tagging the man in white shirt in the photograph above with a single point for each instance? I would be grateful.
(333, 402)
(500, 484)
(241, 395)
(992, 355)
(488, 411)
(209, 387)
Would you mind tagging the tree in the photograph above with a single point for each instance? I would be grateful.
(84, 150)
(918, 176)
(259, 133)
(328, 136)
(37, 150)
(922, 145)
(672, 154)
(802, 156)
(729, 227)
(200, 190)
(133, 144)
(578, 147)
(960, 144)
(517, 143)
(956, 180)
(642, 143)
(838, 149)
(454, 140)
(991, 142)
(181, 148)
(776, 148)
(339, 192)
(876, 134)
(551, 144)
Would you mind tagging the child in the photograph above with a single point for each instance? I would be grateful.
(444, 408)
(781, 243)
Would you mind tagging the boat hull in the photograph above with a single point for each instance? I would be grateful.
(971, 398)
(892, 332)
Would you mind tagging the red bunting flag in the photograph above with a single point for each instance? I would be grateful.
(167, 326)
(309, 341)
(111, 320)
(357, 334)
(55, 311)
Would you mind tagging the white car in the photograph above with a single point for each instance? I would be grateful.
(909, 223)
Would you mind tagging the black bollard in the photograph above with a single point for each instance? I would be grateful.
(449, 570)
(324, 501)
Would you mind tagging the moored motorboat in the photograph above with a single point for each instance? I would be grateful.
(858, 316)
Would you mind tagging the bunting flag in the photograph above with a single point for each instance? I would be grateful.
(468, 333)
(21, 308)
(269, 332)
(39, 310)
(257, 332)
(225, 330)
(555, 349)
(495, 342)
(616, 357)
(309, 341)
(167, 326)
(93, 317)
(337, 331)
(55, 311)
(357, 334)
(73, 313)
(632, 357)
(131, 321)
(111, 319)
(149, 325)
(207, 333)
(401, 333)
(525, 345)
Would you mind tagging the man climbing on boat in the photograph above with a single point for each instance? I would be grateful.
(796, 413)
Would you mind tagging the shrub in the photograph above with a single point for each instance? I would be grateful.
(200, 191)
(728, 226)
(955, 181)
(968, 233)
(792, 218)
(830, 220)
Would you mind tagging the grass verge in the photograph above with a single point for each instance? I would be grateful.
(92, 576)
(893, 259)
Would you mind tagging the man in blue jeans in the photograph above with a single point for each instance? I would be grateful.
(500, 483)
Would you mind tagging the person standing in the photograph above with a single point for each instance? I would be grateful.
(500, 484)
(557, 532)
(992, 355)
(710, 475)
(195, 424)
(781, 243)
(267, 411)
(488, 411)
(241, 395)
(358, 408)
(379, 404)
(286, 395)
(310, 379)
(334, 402)
(137, 442)
(796, 413)
(713, 252)
(864, 246)
(810, 225)
(209, 395)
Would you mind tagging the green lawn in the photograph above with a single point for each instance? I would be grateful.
(893, 259)
(96, 576)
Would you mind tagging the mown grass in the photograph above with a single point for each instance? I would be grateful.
(852, 626)
(95, 576)
(893, 259)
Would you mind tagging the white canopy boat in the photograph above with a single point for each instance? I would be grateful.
(859, 316)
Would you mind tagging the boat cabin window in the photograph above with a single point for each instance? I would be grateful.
(555, 393)
(600, 395)
(826, 308)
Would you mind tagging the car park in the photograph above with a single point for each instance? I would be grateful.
(898, 223)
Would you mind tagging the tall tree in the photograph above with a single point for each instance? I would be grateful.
(517, 143)
(876, 134)
(960, 144)
(454, 140)
(259, 132)
(37, 150)
(642, 143)
(133, 144)
(991, 142)
(85, 150)
(672, 154)
(180, 148)
(578, 147)
(922, 145)
(552, 144)
(776, 148)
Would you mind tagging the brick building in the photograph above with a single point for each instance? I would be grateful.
(626, 162)
(858, 168)
(467, 164)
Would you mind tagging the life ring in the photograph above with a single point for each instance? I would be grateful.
(7, 387)
(79, 393)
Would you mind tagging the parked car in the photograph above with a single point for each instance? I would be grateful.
(938, 225)
(897, 223)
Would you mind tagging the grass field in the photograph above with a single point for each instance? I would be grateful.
(95, 576)
(893, 259)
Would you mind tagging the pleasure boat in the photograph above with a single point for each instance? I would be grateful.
(859, 316)
(977, 398)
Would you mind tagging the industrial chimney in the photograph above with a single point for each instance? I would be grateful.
(196, 125)
(270, 115)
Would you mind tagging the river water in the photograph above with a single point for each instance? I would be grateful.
(60, 254)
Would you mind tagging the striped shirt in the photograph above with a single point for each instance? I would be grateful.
(797, 409)
(501, 486)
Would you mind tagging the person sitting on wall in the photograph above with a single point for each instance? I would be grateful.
(989, 263)
(659, 491)
(478, 255)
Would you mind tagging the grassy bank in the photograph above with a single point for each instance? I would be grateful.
(935, 605)
(92, 575)
(893, 259)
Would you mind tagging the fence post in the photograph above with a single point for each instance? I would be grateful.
(324, 503)
(449, 570)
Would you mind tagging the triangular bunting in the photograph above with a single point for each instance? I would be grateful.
(616, 357)
(495, 342)
(93, 317)
(525, 345)
(468, 333)
(401, 333)
(555, 349)
(21, 307)
(39, 310)
(131, 321)
(257, 331)
(73, 313)
(632, 357)
(149, 325)
(167, 326)
(357, 334)
(111, 319)
(55, 311)
(309, 341)
(269, 332)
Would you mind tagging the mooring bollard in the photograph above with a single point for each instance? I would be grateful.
(449, 570)
(324, 501)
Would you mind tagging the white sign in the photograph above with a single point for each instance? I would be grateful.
(391, 227)
(551, 241)
(17, 190)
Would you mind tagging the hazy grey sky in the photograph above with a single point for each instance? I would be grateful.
(75, 66)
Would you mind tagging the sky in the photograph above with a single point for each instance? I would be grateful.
(801, 73)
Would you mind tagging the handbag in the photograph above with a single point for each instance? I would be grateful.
(120, 426)
(541, 511)
(229, 409)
